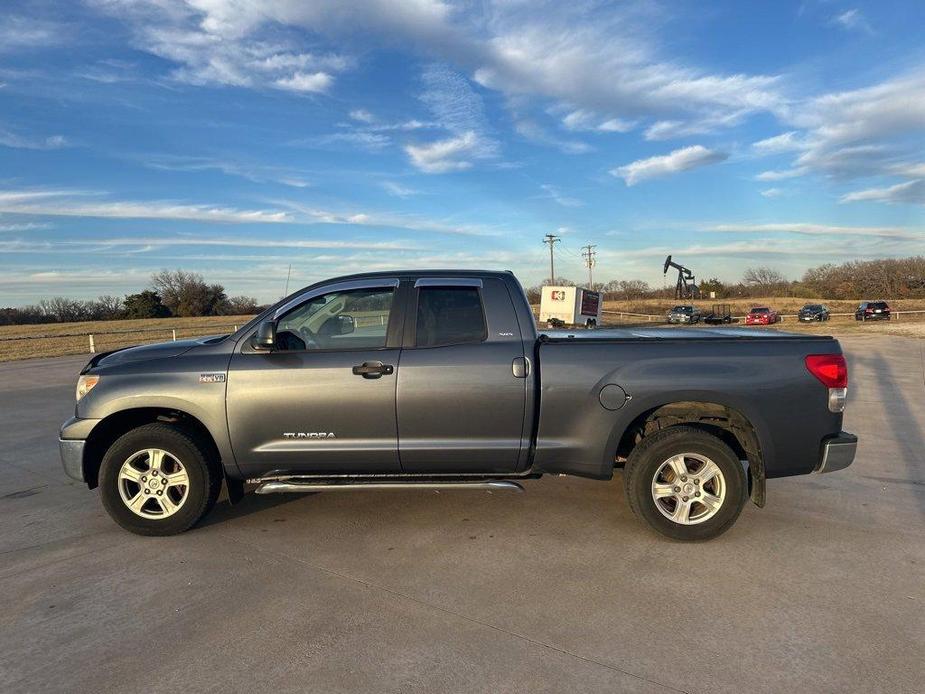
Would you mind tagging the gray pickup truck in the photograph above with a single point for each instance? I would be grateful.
(439, 379)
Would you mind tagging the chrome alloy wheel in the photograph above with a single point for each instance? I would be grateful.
(688, 489)
(153, 484)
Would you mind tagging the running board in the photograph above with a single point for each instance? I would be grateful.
(277, 487)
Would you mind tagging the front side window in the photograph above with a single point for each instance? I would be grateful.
(353, 319)
(449, 316)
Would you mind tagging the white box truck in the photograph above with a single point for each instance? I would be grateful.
(570, 306)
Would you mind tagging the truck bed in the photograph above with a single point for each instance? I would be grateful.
(662, 333)
(761, 374)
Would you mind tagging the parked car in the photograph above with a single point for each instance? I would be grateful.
(439, 380)
(813, 312)
(872, 310)
(762, 315)
(684, 314)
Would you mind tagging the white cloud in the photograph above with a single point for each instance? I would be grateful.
(305, 82)
(536, 133)
(398, 190)
(612, 63)
(442, 156)
(25, 226)
(18, 32)
(853, 20)
(75, 204)
(772, 192)
(585, 120)
(812, 229)
(779, 175)
(359, 139)
(362, 115)
(553, 193)
(679, 160)
(857, 133)
(908, 192)
(257, 173)
(785, 142)
(227, 43)
(12, 140)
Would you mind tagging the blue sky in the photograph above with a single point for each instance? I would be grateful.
(235, 138)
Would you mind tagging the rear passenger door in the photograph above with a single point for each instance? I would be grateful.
(461, 408)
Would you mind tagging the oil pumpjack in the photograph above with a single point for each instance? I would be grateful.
(686, 287)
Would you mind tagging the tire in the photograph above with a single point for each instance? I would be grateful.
(648, 468)
(145, 469)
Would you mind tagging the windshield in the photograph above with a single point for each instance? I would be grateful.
(761, 310)
(683, 309)
(812, 307)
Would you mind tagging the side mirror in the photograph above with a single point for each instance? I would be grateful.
(265, 340)
(337, 325)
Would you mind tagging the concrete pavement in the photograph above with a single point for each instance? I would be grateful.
(558, 589)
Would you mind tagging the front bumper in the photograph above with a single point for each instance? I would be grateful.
(72, 457)
(837, 452)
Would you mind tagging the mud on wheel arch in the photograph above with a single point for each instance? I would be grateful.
(726, 423)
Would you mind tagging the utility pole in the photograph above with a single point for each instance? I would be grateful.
(588, 253)
(552, 240)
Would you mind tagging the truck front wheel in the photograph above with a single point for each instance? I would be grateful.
(685, 483)
(156, 480)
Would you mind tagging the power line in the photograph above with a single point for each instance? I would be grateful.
(588, 253)
(552, 240)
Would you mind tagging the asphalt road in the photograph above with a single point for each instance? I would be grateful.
(559, 589)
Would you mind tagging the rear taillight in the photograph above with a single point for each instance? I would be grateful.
(832, 371)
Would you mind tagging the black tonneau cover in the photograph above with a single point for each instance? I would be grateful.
(614, 334)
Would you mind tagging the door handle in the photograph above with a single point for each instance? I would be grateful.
(373, 369)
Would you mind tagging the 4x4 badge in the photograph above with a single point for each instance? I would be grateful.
(211, 378)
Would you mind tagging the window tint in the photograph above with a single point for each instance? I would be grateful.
(449, 316)
(355, 319)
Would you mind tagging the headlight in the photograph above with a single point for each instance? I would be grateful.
(85, 384)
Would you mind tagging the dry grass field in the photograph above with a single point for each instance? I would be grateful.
(58, 339)
(786, 305)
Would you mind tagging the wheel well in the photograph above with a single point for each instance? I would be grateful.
(115, 425)
(726, 423)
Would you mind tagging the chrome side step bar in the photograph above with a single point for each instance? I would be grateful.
(277, 487)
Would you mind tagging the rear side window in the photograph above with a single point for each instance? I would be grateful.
(449, 316)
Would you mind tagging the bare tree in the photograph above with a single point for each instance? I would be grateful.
(765, 279)
(187, 294)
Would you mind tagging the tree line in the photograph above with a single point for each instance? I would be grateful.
(184, 294)
(890, 278)
(172, 293)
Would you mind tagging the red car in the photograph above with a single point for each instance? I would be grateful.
(762, 315)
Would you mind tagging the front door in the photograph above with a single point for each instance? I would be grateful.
(324, 400)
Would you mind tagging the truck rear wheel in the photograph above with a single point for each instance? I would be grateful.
(156, 480)
(685, 483)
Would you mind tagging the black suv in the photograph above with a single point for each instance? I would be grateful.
(812, 312)
(872, 310)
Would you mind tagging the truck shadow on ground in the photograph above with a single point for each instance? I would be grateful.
(224, 511)
(910, 440)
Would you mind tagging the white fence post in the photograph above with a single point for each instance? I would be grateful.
(236, 328)
(174, 331)
(92, 346)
